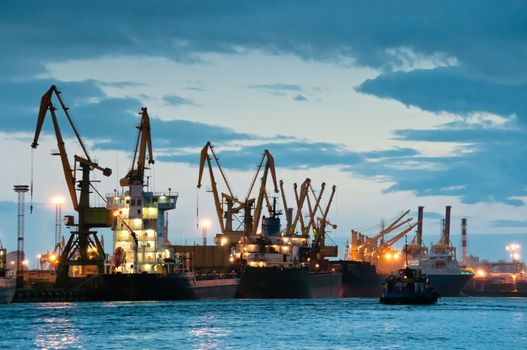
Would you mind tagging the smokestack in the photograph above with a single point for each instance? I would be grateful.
(447, 225)
(464, 240)
(420, 225)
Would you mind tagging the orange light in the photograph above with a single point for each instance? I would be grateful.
(115, 213)
(481, 273)
(57, 200)
(388, 256)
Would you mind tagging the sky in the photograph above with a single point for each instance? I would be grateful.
(397, 104)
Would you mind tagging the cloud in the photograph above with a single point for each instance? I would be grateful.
(509, 223)
(450, 89)
(300, 98)
(176, 100)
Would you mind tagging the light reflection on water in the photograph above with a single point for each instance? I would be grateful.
(264, 324)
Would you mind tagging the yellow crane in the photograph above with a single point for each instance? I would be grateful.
(83, 247)
(135, 175)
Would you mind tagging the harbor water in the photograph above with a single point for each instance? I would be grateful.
(453, 323)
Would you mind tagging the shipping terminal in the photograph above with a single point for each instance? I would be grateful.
(254, 255)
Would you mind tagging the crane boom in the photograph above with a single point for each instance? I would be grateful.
(143, 144)
(269, 167)
(397, 237)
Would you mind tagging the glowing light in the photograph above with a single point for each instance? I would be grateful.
(39, 256)
(388, 256)
(516, 256)
(224, 241)
(57, 200)
(231, 259)
(205, 223)
(25, 262)
(115, 213)
(481, 273)
(396, 256)
(12, 262)
(317, 266)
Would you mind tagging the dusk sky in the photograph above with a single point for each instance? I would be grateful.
(398, 104)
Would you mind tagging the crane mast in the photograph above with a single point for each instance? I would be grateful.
(143, 144)
(83, 247)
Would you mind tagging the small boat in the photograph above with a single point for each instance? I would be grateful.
(409, 286)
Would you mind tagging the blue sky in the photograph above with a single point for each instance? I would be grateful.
(398, 104)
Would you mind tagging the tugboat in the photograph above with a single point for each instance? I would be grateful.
(410, 286)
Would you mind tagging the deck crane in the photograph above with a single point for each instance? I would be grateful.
(135, 175)
(300, 197)
(83, 247)
(372, 243)
(319, 229)
(397, 237)
(288, 211)
(267, 163)
(225, 218)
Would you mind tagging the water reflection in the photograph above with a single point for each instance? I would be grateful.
(205, 334)
(57, 329)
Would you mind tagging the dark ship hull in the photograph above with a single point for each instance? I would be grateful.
(359, 279)
(135, 287)
(275, 282)
(409, 298)
(449, 285)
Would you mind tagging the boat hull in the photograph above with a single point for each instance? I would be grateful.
(135, 287)
(359, 279)
(275, 282)
(7, 289)
(449, 285)
(409, 298)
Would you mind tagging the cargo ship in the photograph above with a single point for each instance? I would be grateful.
(359, 279)
(441, 265)
(498, 279)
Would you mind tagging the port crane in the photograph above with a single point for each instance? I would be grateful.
(267, 163)
(83, 247)
(135, 175)
(225, 218)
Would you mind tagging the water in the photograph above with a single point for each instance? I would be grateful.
(454, 323)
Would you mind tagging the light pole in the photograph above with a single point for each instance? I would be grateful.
(58, 202)
(514, 251)
(205, 226)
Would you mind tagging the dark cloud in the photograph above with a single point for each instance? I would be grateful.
(300, 98)
(451, 90)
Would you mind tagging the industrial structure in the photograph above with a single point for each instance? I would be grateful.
(20, 256)
(83, 249)
(139, 228)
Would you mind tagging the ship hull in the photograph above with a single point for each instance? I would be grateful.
(7, 289)
(359, 280)
(135, 287)
(406, 298)
(275, 283)
(449, 285)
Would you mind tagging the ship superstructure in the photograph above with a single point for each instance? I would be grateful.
(139, 227)
(441, 265)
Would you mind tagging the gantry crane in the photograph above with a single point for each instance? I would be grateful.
(83, 247)
(135, 175)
